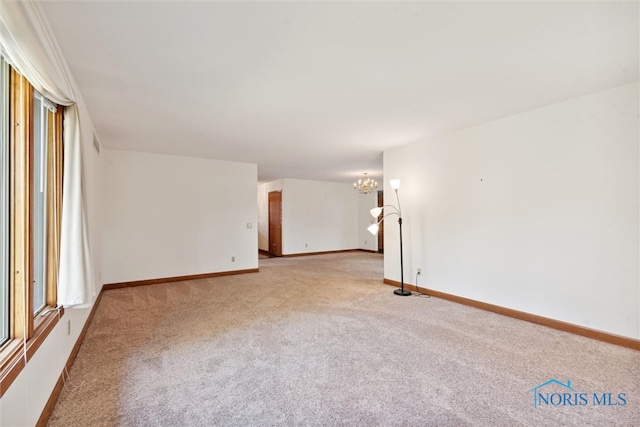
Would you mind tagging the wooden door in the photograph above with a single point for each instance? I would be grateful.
(381, 229)
(275, 223)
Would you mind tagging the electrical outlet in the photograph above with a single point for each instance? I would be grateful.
(69, 327)
(419, 271)
(233, 259)
(306, 245)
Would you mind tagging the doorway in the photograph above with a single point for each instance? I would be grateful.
(275, 223)
(381, 227)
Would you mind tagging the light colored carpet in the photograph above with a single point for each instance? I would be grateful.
(320, 341)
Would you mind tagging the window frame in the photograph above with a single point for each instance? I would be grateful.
(28, 330)
(4, 204)
(39, 196)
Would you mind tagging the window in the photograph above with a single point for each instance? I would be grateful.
(4, 202)
(42, 109)
(30, 212)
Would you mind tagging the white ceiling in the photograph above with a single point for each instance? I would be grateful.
(318, 90)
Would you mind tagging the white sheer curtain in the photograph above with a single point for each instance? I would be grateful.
(28, 44)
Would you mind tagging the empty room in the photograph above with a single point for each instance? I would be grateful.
(319, 213)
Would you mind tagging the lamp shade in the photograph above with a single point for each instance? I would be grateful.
(373, 229)
(395, 183)
(375, 212)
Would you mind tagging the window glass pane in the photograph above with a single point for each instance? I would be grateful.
(39, 204)
(4, 201)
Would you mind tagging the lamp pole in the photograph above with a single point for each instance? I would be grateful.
(400, 291)
(373, 229)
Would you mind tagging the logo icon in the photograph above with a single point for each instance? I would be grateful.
(551, 381)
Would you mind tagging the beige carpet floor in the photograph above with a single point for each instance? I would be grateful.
(321, 341)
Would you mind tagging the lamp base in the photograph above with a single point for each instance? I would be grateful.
(402, 293)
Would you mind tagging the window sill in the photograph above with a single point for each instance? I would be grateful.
(12, 360)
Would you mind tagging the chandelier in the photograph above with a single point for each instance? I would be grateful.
(365, 185)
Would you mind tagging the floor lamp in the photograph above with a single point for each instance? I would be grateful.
(373, 229)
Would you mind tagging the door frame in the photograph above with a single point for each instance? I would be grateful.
(381, 226)
(275, 223)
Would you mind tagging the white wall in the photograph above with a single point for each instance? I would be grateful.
(366, 202)
(167, 216)
(317, 216)
(263, 211)
(23, 402)
(537, 212)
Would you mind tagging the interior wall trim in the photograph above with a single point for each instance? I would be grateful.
(528, 317)
(325, 252)
(134, 283)
(11, 367)
(57, 389)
